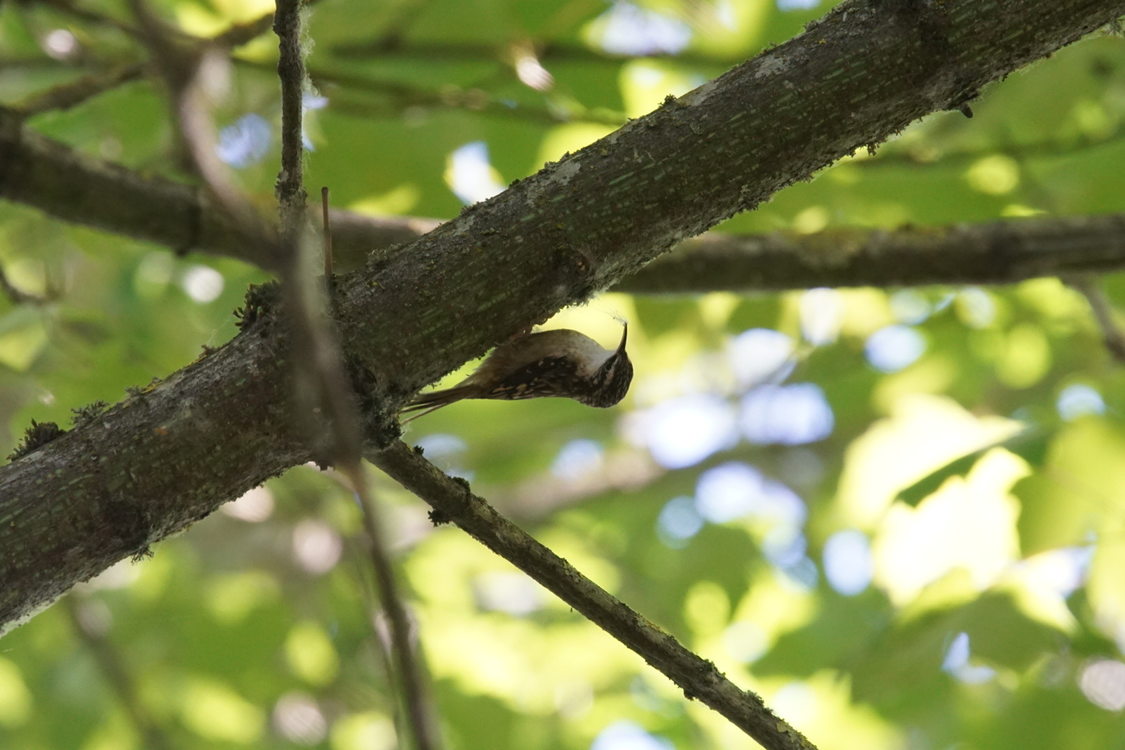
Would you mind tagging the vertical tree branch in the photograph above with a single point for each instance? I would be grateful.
(420, 714)
(116, 673)
(291, 73)
(315, 335)
(1104, 314)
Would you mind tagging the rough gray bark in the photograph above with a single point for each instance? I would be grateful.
(172, 453)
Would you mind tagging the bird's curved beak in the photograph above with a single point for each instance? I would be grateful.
(624, 336)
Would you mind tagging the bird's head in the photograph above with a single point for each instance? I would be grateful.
(611, 381)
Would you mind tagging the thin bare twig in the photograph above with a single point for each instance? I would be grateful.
(1103, 312)
(115, 671)
(326, 223)
(400, 96)
(184, 66)
(452, 500)
(402, 16)
(71, 94)
(237, 35)
(419, 709)
(175, 214)
(546, 51)
(94, 17)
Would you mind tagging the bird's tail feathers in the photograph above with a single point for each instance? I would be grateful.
(434, 400)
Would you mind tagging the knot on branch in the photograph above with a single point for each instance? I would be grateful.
(376, 407)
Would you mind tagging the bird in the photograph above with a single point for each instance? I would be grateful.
(560, 362)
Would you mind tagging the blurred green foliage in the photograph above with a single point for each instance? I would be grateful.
(940, 565)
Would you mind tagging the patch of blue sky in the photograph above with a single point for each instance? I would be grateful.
(895, 347)
(957, 662)
(785, 547)
(446, 451)
(793, 414)
(244, 142)
(821, 314)
(625, 735)
(1079, 400)
(729, 491)
(683, 431)
(311, 102)
(627, 29)
(910, 306)
(442, 445)
(797, 4)
(759, 355)
(976, 307)
(736, 490)
(848, 566)
(470, 174)
(802, 575)
(577, 458)
(678, 522)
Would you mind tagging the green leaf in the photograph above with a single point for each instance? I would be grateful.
(1029, 444)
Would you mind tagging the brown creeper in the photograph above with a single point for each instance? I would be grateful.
(562, 363)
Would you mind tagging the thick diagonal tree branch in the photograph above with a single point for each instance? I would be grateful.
(172, 453)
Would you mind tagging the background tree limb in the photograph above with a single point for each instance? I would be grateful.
(51, 177)
(56, 179)
(996, 252)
